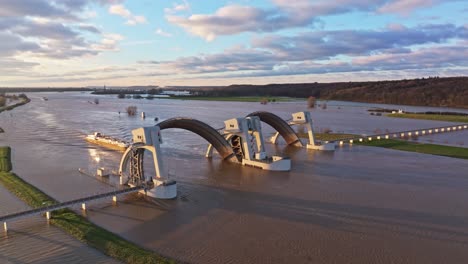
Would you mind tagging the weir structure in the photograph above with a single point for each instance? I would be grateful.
(246, 140)
(159, 186)
(210, 134)
(281, 126)
(303, 118)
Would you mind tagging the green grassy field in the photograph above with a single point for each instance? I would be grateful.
(232, 99)
(433, 149)
(23, 101)
(450, 118)
(327, 136)
(79, 227)
(441, 150)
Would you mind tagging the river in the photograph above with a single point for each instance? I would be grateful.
(356, 205)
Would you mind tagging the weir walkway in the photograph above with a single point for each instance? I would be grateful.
(82, 201)
(402, 134)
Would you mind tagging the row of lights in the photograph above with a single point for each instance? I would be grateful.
(423, 132)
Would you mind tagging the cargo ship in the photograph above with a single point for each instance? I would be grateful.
(107, 141)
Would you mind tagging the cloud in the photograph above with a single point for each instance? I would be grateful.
(405, 7)
(41, 8)
(108, 43)
(162, 33)
(393, 48)
(234, 19)
(89, 28)
(230, 20)
(14, 67)
(55, 31)
(319, 45)
(11, 45)
(132, 20)
(177, 8)
(433, 59)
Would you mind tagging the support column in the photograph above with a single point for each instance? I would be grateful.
(209, 151)
(5, 227)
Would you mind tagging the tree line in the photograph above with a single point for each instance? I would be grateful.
(435, 91)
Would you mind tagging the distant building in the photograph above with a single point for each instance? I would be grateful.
(177, 93)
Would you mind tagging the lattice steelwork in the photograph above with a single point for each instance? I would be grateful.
(137, 176)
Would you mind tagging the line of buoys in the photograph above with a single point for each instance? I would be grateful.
(421, 132)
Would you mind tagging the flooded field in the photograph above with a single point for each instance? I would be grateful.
(356, 205)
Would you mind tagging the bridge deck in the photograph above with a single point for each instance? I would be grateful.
(58, 206)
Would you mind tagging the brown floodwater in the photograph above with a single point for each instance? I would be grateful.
(356, 205)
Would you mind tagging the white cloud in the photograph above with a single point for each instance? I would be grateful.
(234, 19)
(162, 33)
(177, 8)
(405, 7)
(109, 42)
(227, 20)
(120, 10)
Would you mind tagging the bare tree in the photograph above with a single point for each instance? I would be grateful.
(131, 110)
(311, 102)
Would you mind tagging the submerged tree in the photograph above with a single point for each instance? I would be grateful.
(311, 102)
(131, 110)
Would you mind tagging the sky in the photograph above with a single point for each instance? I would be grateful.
(77, 43)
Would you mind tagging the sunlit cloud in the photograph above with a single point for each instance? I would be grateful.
(162, 33)
(132, 20)
(177, 7)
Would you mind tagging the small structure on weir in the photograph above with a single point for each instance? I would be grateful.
(303, 118)
(159, 186)
(246, 139)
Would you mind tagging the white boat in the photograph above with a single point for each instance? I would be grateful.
(107, 141)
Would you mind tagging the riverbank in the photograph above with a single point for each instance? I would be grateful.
(403, 145)
(23, 100)
(79, 227)
(449, 118)
(433, 149)
(232, 99)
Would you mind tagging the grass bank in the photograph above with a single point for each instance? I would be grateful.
(449, 118)
(330, 136)
(433, 149)
(231, 99)
(79, 227)
(22, 101)
(441, 150)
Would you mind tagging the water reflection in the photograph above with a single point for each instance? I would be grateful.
(94, 155)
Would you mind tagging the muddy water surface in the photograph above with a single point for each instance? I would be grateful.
(356, 205)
